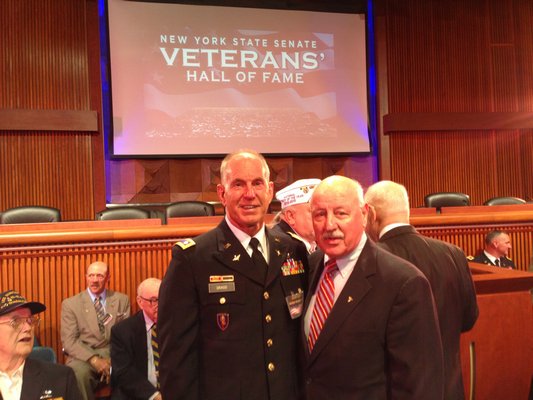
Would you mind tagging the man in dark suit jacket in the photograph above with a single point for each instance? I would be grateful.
(132, 353)
(381, 338)
(26, 378)
(229, 314)
(443, 264)
(496, 251)
(41, 378)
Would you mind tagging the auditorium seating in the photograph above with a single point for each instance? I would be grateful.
(446, 199)
(122, 213)
(30, 215)
(189, 209)
(502, 201)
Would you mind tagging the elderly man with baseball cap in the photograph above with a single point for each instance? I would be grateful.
(20, 377)
(294, 219)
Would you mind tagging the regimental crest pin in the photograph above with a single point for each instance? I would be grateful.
(223, 321)
(236, 257)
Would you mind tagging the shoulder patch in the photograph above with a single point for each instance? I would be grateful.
(295, 236)
(185, 243)
(470, 258)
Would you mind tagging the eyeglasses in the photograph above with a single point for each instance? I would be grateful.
(16, 323)
(152, 301)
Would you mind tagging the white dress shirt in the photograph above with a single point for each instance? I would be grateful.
(346, 266)
(11, 385)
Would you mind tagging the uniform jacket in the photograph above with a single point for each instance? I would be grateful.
(446, 268)
(381, 339)
(504, 261)
(80, 334)
(236, 340)
(41, 379)
(129, 358)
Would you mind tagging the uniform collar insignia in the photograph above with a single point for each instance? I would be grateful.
(236, 257)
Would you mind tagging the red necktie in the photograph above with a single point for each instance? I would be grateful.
(324, 299)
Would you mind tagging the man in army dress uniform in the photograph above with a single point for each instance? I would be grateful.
(496, 251)
(294, 219)
(232, 298)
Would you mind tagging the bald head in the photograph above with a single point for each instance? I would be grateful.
(148, 297)
(388, 204)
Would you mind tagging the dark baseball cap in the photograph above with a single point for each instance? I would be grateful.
(11, 300)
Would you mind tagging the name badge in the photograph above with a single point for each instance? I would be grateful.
(222, 287)
(295, 303)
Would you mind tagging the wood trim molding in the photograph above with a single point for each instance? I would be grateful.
(48, 120)
(456, 121)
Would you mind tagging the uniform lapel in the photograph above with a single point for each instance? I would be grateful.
(354, 291)
(234, 256)
(277, 254)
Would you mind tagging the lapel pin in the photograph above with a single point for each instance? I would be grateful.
(350, 299)
(278, 252)
(236, 257)
(227, 246)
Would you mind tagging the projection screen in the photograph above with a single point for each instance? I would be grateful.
(204, 80)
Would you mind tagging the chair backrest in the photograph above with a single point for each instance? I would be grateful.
(30, 215)
(122, 213)
(503, 201)
(446, 199)
(189, 209)
(43, 353)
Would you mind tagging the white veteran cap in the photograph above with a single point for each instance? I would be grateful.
(298, 192)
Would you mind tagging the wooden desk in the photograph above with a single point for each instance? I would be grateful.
(502, 338)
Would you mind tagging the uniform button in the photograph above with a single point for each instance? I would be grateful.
(222, 300)
(269, 343)
(268, 318)
(266, 295)
(271, 367)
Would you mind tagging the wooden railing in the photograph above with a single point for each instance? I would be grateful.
(47, 262)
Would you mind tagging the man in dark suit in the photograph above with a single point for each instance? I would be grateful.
(133, 361)
(231, 300)
(20, 377)
(443, 264)
(370, 327)
(496, 251)
(294, 219)
(85, 329)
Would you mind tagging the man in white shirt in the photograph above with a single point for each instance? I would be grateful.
(20, 377)
(134, 348)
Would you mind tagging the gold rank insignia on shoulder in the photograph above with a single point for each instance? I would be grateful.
(470, 258)
(185, 243)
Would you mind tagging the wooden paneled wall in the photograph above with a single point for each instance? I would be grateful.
(457, 58)
(49, 66)
(473, 56)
